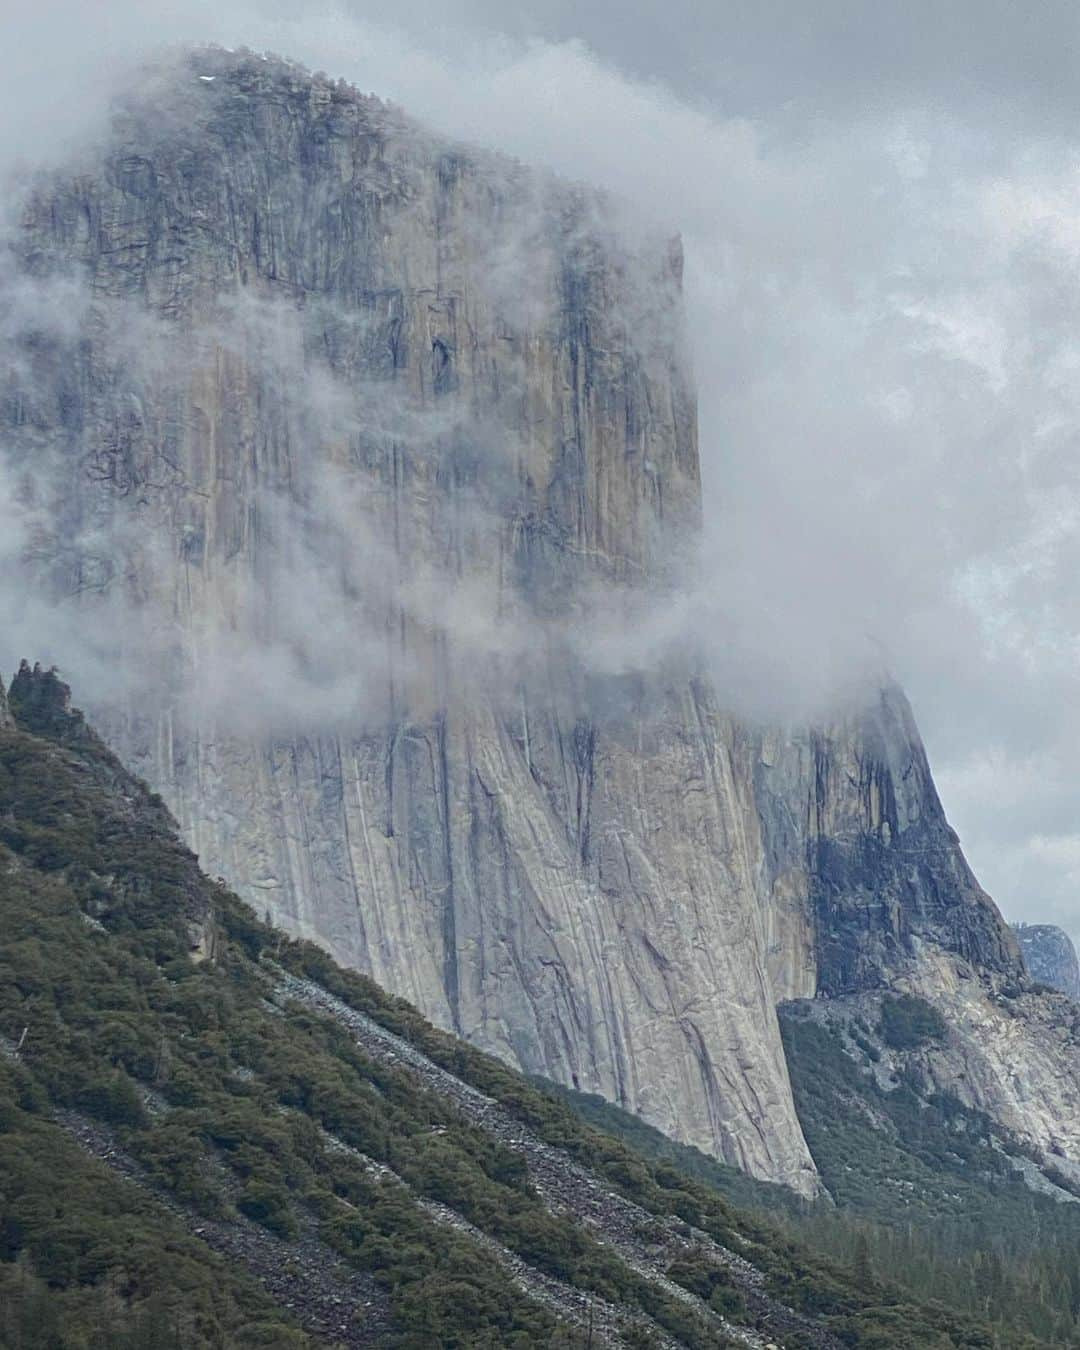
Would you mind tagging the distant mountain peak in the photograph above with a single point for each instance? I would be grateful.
(1050, 956)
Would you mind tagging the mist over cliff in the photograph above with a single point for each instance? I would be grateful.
(302, 641)
(880, 319)
(878, 497)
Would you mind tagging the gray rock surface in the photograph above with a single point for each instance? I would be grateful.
(1050, 956)
(365, 457)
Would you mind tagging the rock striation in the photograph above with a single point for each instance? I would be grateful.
(1050, 956)
(368, 462)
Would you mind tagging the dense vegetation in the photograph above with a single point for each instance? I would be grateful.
(85, 1263)
(230, 1108)
(923, 1193)
(744, 1192)
(860, 1298)
(908, 1022)
(223, 1103)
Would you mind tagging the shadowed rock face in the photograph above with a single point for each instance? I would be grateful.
(854, 832)
(365, 457)
(1050, 956)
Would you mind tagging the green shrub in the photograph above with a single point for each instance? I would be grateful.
(908, 1022)
(269, 1205)
(113, 1098)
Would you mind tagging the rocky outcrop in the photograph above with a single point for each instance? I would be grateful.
(1013, 1053)
(373, 462)
(1050, 956)
(40, 701)
(1010, 1053)
(884, 899)
(854, 830)
(866, 889)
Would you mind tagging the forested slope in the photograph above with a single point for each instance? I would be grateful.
(211, 1135)
(921, 1187)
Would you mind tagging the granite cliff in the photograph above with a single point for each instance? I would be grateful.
(370, 461)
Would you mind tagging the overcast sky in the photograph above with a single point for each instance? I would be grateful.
(880, 204)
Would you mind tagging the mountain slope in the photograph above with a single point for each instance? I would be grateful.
(387, 1183)
(924, 1183)
(920, 1185)
(365, 468)
(373, 447)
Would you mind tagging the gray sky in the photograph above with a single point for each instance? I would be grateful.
(881, 209)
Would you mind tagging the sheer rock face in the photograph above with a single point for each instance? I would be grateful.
(863, 871)
(1050, 956)
(363, 455)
